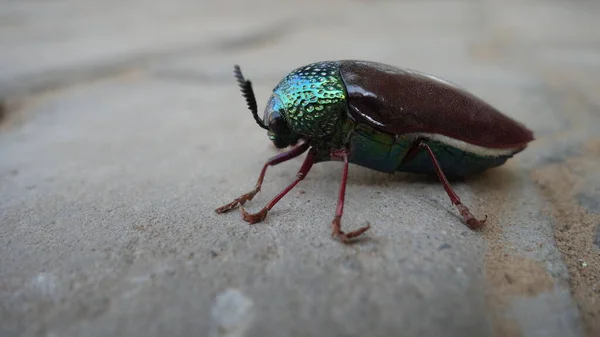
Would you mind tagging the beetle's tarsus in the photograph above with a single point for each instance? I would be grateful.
(475, 224)
(345, 237)
(237, 202)
(228, 207)
(470, 219)
(253, 218)
(280, 158)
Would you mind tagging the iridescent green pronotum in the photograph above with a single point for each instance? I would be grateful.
(383, 118)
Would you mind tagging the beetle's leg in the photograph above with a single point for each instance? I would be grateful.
(262, 214)
(336, 223)
(280, 158)
(471, 221)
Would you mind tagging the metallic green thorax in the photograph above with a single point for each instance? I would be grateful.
(313, 99)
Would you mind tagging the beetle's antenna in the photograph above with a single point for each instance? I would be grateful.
(248, 93)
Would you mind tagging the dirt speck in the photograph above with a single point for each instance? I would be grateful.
(516, 275)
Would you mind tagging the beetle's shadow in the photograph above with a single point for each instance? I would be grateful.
(499, 180)
(361, 176)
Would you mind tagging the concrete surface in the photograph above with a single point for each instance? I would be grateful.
(123, 130)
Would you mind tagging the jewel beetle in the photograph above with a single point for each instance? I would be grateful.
(383, 118)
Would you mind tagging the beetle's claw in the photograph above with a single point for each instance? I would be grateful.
(254, 218)
(474, 223)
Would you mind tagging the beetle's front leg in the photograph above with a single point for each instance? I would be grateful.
(336, 223)
(262, 214)
(280, 158)
(471, 221)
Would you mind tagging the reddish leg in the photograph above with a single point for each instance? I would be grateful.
(336, 223)
(471, 221)
(280, 158)
(262, 214)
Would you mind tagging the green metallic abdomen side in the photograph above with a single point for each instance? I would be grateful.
(383, 152)
(455, 163)
(313, 99)
(376, 150)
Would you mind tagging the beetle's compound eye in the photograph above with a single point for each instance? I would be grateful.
(273, 119)
(279, 131)
(281, 143)
(278, 125)
(278, 142)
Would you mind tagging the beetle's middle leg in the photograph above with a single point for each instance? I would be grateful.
(262, 214)
(471, 221)
(280, 158)
(336, 223)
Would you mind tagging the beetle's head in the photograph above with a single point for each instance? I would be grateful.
(278, 128)
(273, 121)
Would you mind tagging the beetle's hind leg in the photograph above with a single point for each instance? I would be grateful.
(470, 220)
(280, 158)
(336, 223)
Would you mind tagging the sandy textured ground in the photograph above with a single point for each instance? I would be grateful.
(122, 129)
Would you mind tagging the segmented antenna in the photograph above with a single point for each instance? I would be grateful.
(248, 93)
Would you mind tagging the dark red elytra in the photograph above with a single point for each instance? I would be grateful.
(400, 101)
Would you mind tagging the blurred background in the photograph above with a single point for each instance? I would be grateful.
(122, 129)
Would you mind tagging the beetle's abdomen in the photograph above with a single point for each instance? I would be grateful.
(385, 153)
(455, 162)
(313, 98)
